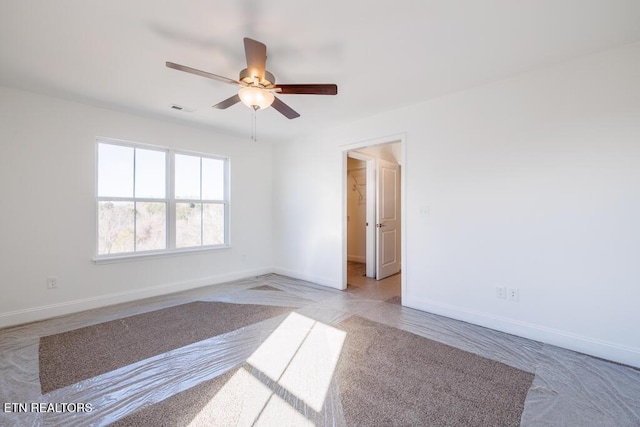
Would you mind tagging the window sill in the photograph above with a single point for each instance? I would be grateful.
(109, 259)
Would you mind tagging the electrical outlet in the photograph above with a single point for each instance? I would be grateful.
(513, 294)
(52, 282)
(501, 292)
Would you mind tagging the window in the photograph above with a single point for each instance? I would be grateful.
(152, 199)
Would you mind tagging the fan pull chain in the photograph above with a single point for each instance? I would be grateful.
(254, 134)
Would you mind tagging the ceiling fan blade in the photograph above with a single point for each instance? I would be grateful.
(310, 89)
(256, 54)
(227, 102)
(284, 109)
(203, 74)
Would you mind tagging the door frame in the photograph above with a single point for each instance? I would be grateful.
(344, 149)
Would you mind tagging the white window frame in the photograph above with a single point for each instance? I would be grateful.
(170, 200)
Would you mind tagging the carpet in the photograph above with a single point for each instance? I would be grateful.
(385, 377)
(73, 356)
(183, 408)
(392, 377)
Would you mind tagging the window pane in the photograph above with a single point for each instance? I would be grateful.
(212, 179)
(134, 199)
(115, 227)
(187, 177)
(213, 223)
(151, 228)
(115, 171)
(150, 174)
(188, 224)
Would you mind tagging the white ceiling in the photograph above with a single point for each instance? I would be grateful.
(383, 55)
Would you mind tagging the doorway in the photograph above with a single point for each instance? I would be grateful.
(373, 231)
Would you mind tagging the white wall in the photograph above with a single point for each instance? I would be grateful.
(47, 220)
(531, 183)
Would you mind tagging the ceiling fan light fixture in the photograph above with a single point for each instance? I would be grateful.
(257, 84)
(255, 98)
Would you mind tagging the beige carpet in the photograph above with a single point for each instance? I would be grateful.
(83, 353)
(385, 376)
(183, 408)
(391, 377)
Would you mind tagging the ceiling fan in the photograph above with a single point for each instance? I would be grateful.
(257, 85)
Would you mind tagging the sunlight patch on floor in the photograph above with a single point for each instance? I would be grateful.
(300, 355)
(309, 374)
(279, 413)
(239, 402)
(275, 353)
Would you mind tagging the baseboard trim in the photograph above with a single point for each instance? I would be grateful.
(357, 258)
(33, 314)
(598, 348)
(582, 344)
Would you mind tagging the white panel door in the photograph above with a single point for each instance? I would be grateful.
(388, 219)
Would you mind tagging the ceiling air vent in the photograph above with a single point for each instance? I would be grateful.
(182, 108)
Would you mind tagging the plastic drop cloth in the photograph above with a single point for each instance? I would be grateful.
(268, 363)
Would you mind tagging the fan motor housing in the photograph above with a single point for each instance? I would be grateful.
(268, 80)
